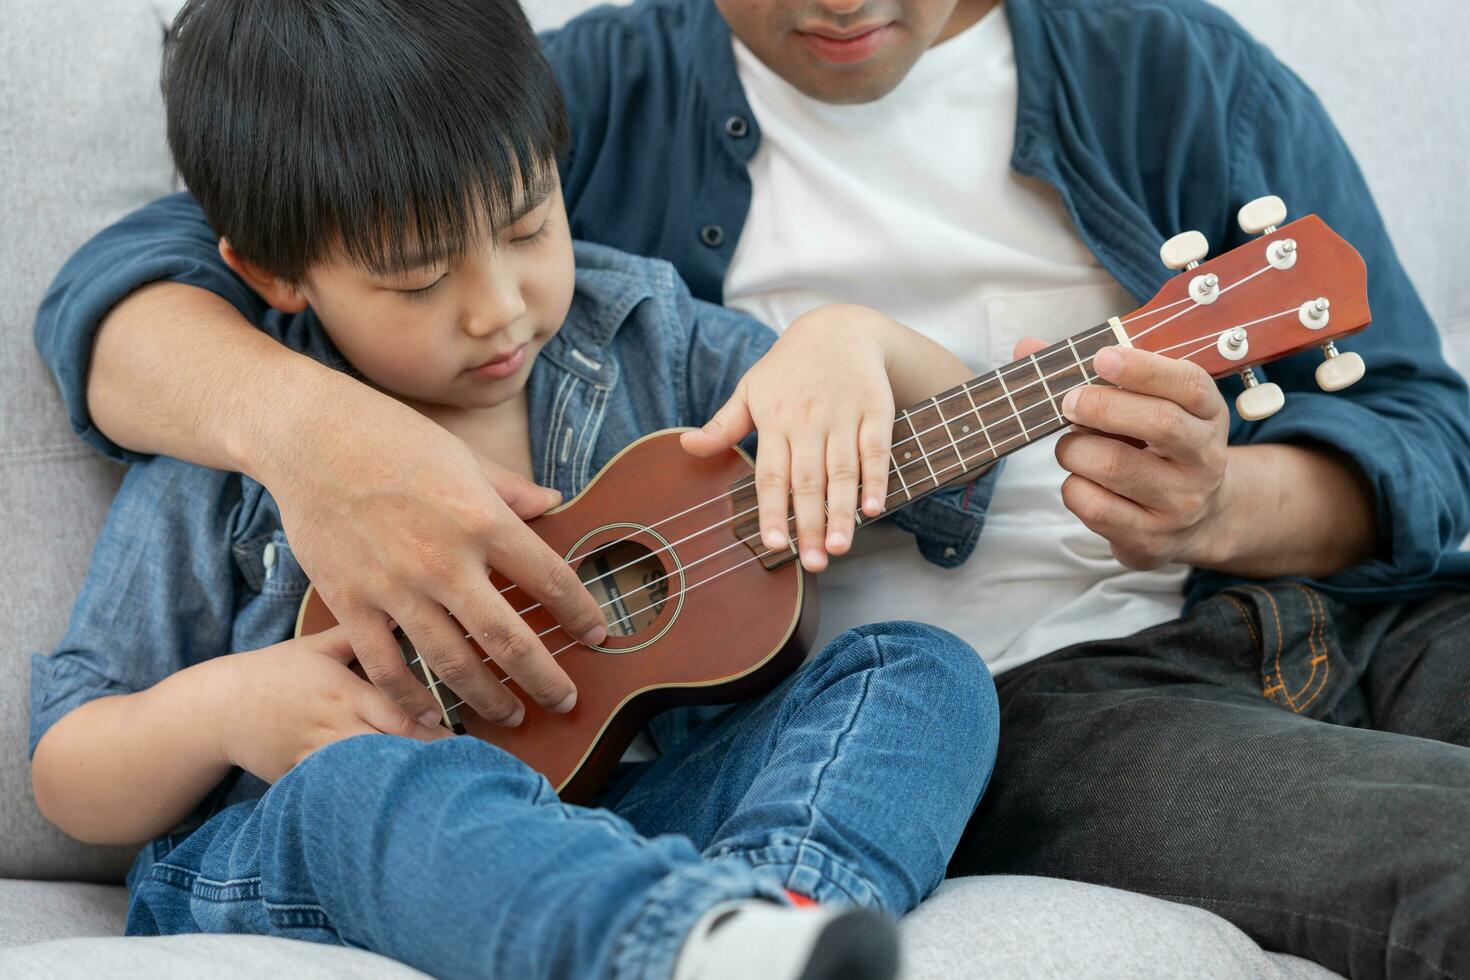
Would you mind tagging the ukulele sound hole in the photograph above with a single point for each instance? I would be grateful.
(629, 583)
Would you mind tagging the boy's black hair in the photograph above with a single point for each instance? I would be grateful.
(397, 130)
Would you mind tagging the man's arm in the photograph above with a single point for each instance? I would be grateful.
(1363, 489)
(393, 517)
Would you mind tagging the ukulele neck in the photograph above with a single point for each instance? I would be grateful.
(946, 438)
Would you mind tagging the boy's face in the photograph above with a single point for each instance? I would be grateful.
(845, 51)
(462, 332)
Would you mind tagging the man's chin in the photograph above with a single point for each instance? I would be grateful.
(854, 84)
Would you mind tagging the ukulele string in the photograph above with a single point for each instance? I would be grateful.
(965, 390)
(961, 461)
(686, 590)
(898, 468)
(902, 442)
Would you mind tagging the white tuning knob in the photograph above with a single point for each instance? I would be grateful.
(1184, 250)
(1339, 370)
(1262, 215)
(1258, 401)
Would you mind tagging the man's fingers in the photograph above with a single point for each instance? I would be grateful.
(525, 498)
(506, 639)
(730, 424)
(1101, 510)
(1156, 421)
(1113, 464)
(1182, 382)
(442, 645)
(523, 558)
(382, 663)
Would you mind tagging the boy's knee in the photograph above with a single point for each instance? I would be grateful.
(942, 669)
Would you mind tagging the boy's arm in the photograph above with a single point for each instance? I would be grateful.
(126, 768)
(822, 398)
(178, 368)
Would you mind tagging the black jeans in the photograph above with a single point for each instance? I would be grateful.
(1296, 765)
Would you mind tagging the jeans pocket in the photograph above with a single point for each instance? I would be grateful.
(1301, 664)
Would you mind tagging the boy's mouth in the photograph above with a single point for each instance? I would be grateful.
(498, 368)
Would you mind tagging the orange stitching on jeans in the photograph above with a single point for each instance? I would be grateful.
(1267, 688)
(1280, 678)
(1317, 633)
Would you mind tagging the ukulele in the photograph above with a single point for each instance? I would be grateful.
(699, 611)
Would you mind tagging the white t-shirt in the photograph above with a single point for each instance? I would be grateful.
(908, 205)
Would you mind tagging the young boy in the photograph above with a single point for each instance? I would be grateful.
(285, 795)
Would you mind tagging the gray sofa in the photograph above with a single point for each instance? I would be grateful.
(81, 143)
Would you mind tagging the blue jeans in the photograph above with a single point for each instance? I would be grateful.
(851, 783)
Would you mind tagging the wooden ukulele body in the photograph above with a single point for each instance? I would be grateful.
(657, 538)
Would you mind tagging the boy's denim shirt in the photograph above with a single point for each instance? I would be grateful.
(192, 562)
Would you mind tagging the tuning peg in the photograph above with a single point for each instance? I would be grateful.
(1184, 250)
(1262, 215)
(1339, 370)
(1258, 401)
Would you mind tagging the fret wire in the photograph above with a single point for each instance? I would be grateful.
(1078, 358)
(898, 471)
(980, 421)
(1025, 432)
(947, 431)
(1046, 388)
(922, 452)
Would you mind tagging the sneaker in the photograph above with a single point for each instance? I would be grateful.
(757, 940)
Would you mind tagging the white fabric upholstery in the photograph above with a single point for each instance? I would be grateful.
(81, 142)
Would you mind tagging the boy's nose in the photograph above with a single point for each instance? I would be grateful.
(499, 306)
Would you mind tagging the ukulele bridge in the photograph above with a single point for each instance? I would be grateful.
(747, 526)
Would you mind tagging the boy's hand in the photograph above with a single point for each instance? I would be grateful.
(282, 703)
(823, 404)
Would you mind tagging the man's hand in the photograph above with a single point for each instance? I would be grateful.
(393, 517)
(1152, 472)
(1154, 493)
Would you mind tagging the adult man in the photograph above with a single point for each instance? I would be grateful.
(859, 151)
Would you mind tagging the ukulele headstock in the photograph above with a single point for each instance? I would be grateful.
(1296, 286)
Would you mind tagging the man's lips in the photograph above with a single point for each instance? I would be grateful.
(845, 47)
(503, 366)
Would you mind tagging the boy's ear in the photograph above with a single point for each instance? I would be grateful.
(274, 290)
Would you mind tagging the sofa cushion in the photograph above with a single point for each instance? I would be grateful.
(81, 143)
(1009, 928)
(40, 911)
(191, 957)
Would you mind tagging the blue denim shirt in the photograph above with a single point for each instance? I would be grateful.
(193, 564)
(1149, 117)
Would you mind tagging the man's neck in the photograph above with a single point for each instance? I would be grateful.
(967, 13)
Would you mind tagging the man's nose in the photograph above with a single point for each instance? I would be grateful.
(841, 8)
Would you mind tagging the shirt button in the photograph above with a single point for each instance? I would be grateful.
(712, 235)
(268, 557)
(737, 127)
(950, 552)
